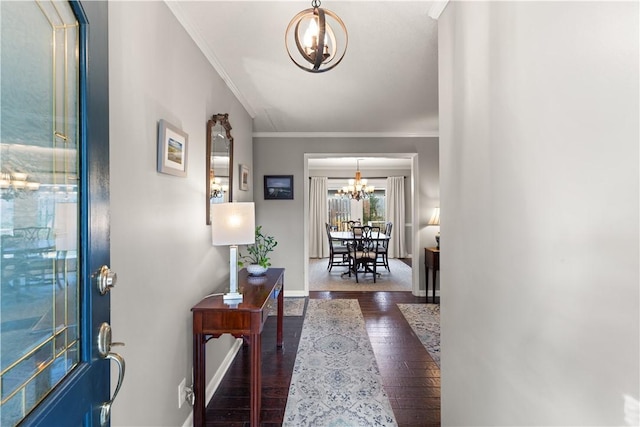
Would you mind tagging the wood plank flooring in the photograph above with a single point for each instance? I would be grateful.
(411, 377)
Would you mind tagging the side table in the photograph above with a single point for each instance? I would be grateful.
(431, 261)
(212, 318)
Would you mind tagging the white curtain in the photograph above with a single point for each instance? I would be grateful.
(318, 217)
(395, 214)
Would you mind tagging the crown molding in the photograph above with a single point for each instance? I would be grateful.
(190, 28)
(431, 134)
(437, 7)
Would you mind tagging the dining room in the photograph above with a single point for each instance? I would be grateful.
(349, 194)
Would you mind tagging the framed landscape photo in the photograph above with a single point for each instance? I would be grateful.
(172, 149)
(244, 177)
(278, 187)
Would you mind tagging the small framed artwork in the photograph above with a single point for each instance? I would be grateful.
(278, 187)
(244, 177)
(172, 149)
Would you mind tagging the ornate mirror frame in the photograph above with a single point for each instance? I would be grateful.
(223, 120)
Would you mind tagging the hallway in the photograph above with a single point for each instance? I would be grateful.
(411, 378)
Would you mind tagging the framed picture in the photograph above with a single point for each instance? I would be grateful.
(172, 149)
(244, 177)
(278, 187)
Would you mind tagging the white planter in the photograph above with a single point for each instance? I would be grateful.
(256, 270)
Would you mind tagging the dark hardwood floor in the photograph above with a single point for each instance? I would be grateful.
(410, 376)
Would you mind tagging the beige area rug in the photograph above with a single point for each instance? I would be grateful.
(336, 381)
(320, 279)
(292, 307)
(425, 322)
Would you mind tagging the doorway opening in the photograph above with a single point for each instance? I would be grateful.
(338, 169)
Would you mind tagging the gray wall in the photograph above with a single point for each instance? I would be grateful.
(540, 192)
(160, 245)
(285, 218)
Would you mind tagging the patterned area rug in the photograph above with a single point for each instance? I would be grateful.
(336, 381)
(320, 279)
(292, 307)
(425, 322)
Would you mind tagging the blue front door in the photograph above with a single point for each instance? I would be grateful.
(54, 219)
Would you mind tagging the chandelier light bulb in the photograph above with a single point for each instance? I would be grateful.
(311, 35)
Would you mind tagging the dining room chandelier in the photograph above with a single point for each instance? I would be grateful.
(316, 39)
(357, 188)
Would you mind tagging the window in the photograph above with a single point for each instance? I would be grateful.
(370, 211)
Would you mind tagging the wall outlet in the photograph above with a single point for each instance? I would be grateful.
(181, 389)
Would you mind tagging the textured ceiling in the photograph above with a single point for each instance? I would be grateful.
(387, 83)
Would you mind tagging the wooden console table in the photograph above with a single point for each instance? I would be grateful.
(213, 318)
(431, 261)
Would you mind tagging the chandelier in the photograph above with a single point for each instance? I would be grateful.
(357, 188)
(13, 184)
(312, 41)
(217, 189)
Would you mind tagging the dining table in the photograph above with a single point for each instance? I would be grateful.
(346, 236)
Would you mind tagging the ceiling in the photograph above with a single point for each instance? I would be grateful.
(386, 85)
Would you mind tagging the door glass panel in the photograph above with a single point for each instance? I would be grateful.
(39, 132)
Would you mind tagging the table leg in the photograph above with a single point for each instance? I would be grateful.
(280, 316)
(199, 379)
(255, 381)
(435, 272)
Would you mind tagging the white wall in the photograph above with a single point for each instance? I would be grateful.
(540, 191)
(160, 245)
(285, 219)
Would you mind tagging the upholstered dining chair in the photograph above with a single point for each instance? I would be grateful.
(338, 253)
(363, 251)
(382, 260)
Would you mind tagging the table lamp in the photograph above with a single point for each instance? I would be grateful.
(435, 220)
(233, 224)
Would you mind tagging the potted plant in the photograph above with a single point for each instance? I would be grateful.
(257, 259)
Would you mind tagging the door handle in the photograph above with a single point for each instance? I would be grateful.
(104, 348)
(106, 279)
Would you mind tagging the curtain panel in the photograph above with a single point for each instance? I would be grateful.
(395, 214)
(318, 217)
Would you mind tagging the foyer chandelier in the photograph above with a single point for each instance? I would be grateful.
(357, 188)
(316, 39)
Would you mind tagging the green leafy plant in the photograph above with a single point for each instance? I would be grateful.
(259, 251)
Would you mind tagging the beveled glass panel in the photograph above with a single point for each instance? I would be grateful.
(39, 297)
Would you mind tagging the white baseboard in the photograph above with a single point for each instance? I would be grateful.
(295, 294)
(217, 378)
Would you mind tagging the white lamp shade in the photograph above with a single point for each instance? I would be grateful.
(233, 224)
(435, 218)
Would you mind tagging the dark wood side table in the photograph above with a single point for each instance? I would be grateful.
(212, 318)
(431, 261)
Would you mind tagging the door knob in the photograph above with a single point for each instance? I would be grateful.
(104, 348)
(106, 279)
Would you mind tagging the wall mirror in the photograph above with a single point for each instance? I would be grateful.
(219, 157)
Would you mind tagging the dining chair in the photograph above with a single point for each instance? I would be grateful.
(382, 259)
(363, 250)
(338, 254)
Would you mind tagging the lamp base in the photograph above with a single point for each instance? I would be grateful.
(438, 240)
(232, 296)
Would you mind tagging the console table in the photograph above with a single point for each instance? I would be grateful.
(213, 318)
(431, 261)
